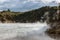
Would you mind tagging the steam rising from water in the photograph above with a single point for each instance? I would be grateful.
(24, 31)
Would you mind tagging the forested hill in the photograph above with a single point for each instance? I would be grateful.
(42, 14)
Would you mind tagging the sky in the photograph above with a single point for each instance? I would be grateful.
(25, 5)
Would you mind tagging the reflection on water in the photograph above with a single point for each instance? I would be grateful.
(24, 31)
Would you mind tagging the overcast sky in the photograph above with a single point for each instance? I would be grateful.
(24, 5)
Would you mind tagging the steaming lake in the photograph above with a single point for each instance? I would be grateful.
(24, 31)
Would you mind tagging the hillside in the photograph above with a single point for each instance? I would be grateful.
(8, 16)
(31, 16)
(42, 14)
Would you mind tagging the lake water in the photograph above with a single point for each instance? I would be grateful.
(24, 31)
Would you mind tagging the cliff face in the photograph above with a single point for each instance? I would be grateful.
(54, 22)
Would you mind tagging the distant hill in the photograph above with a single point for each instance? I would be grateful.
(42, 14)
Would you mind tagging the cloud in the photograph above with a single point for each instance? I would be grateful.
(2, 1)
(17, 4)
(58, 1)
(47, 1)
(23, 5)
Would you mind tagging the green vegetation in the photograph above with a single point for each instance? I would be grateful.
(30, 16)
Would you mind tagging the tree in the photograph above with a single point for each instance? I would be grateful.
(8, 10)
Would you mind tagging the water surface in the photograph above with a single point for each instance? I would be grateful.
(24, 31)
